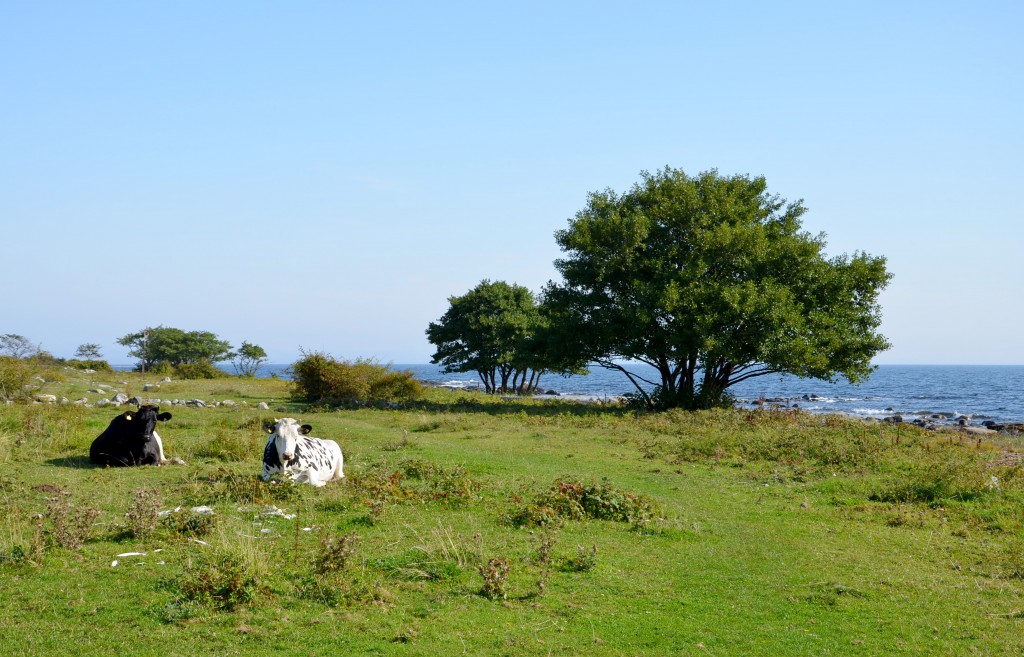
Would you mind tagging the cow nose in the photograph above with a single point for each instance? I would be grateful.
(288, 456)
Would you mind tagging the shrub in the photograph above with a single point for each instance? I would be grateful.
(574, 500)
(223, 577)
(98, 365)
(319, 378)
(203, 369)
(15, 373)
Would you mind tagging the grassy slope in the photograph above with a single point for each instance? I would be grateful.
(770, 542)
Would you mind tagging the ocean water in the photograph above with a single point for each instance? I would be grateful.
(981, 392)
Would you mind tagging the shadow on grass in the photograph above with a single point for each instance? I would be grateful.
(76, 462)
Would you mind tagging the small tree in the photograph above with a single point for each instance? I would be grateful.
(88, 351)
(487, 331)
(249, 358)
(17, 346)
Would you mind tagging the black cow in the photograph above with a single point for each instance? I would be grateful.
(131, 439)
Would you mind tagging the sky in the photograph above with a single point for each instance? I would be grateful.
(323, 176)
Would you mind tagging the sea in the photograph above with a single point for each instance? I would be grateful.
(979, 392)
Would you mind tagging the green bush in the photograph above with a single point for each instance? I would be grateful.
(204, 369)
(15, 374)
(98, 365)
(573, 500)
(320, 378)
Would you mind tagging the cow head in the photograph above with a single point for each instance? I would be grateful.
(142, 423)
(285, 433)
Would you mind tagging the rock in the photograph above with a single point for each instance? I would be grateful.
(196, 403)
(226, 402)
(894, 419)
(977, 431)
(166, 379)
(150, 386)
(103, 402)
(46, 399)
(81, 402)
(263, 406)
(135, 401)
(95, 391)
(119, 398)
(105, 386)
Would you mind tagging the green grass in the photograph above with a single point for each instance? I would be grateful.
(774, 533)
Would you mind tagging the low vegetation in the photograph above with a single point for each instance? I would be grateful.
(469, 524)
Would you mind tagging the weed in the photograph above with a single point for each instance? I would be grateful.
(495, 574)
(544, 543)
(223, 576)
(69, 527)
(188, 523)
(335, 553)
(582, 561)
(144, 515)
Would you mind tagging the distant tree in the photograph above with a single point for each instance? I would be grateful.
(711, 281)
(499, 331)
(17, 346)
(88, 351)
(174, 347)
(249, 358)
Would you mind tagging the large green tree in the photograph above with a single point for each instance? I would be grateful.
(712, 281)
(175, 347)
(495, 330)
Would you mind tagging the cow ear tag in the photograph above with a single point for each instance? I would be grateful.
(128, 417)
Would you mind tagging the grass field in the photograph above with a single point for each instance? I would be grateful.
(480, 526)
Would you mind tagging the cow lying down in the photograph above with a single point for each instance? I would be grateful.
(305, 459)
(131, 439)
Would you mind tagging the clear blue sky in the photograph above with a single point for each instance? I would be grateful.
(325, 174)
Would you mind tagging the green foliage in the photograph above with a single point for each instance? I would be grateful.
(15, 374)
(223, 576)
(320, 378)
(175, 347)
(97, 365)
(711, 280)
(199, 370)
(582, 560)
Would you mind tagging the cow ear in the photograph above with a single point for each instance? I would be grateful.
(305, 429)
(268, 427)
(163, 417)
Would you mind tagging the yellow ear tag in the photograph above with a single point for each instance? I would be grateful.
(128, 417)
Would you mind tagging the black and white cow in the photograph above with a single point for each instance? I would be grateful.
(131, 439)
(293, 453)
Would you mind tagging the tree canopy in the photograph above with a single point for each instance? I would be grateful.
(175, 347)
(711, 280)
